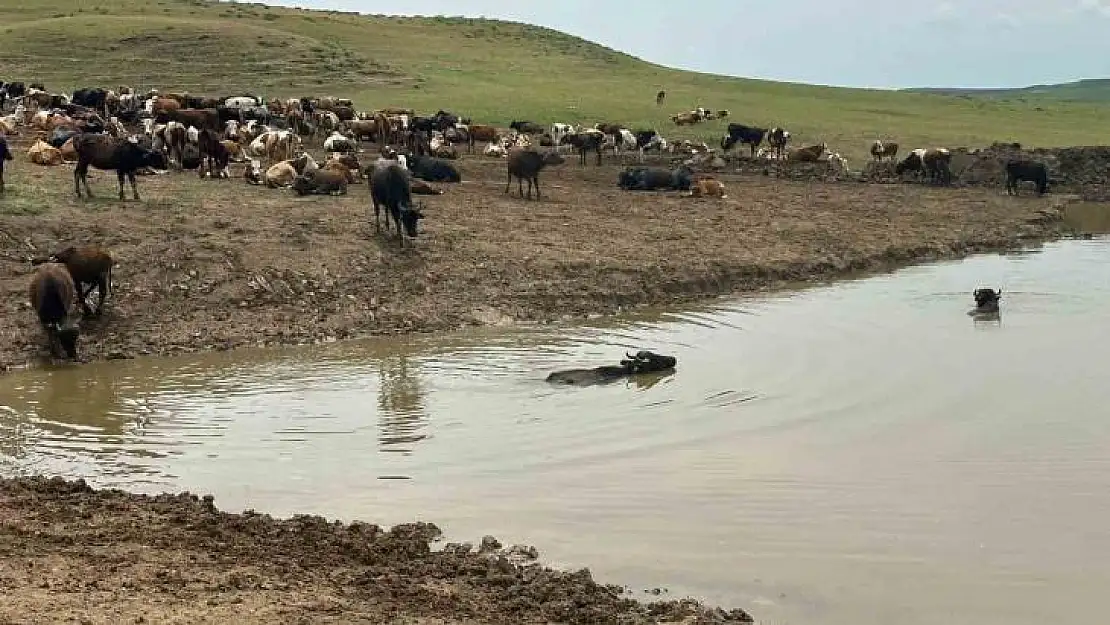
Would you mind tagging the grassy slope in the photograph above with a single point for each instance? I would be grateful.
(493, 71)
(1088, 90)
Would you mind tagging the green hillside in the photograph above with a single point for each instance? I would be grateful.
(491, 70)
(1088, 90)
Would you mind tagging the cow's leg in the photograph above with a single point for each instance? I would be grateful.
(121, 175)
(520, 186)
(102, 286)
(509, 184)
(77, 171)
(536, 180)
(134, 186)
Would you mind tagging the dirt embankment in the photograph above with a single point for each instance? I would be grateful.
(219, 264)
(1082, 171)
(69, 553)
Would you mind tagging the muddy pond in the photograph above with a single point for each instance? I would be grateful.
(861, 453)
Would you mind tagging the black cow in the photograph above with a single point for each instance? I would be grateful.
(433, 169)
(90, 98)
(585, 142)
(739, 133)
(1021, 169)
(5, 155)
(526, 128)
(104, 152)
(389, 185)
(652, 178)
(15, 89)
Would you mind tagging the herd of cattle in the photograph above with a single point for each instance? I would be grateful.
(152, 133)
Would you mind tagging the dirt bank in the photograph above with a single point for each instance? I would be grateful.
(72, 554)
(221, 264)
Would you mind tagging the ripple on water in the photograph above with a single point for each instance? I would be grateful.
(861, 452)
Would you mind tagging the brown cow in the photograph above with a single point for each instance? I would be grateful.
(477, 132)
(200, 119)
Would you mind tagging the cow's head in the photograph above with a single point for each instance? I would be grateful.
(410, 215)
(648, 362)
(67, 335)
(987, 299)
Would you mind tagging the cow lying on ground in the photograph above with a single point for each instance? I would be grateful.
(1019, 170)
(321, 181)
(652, 178)
(433, 169)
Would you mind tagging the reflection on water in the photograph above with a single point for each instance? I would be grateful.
(862, 453)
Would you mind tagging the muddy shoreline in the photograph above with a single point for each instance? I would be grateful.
(74, 554)
(216, 265)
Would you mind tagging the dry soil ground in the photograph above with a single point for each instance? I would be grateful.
(216, 264)
(69, 554)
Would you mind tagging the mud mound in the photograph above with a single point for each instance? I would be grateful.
(819, 171)
(71, 551)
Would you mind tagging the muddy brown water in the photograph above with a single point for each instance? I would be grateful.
(859, 453)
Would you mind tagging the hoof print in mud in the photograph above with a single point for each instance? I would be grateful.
(642, 363)
(986, 301)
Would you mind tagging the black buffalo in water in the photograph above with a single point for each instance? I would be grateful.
(643, 362)
(986, 301)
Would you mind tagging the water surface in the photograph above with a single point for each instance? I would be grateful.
(862, 453)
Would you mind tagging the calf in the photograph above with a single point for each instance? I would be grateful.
(389, 185)
(215, 152)
(88, 266)
(810, 154)
(708, 187)
(1018, 170)
(53, 296)
(739, 133)
(5, 155)
(104, 152)
(433, 169)
(526, 164)
(778, 138)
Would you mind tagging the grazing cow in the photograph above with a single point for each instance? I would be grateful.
(389, 185)
(89, 266)
(526, 127)
(810, 154)
(708, 187)
(587, 141)
(1018, 170)
(338, 142)
(739, 133)
(526, 164)
(884, 149)
(103, 152)
(659, 97)
(321, 181)
(778, 138)
(433, 169)
(652, 178)
(5, 155)
(54, 298)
